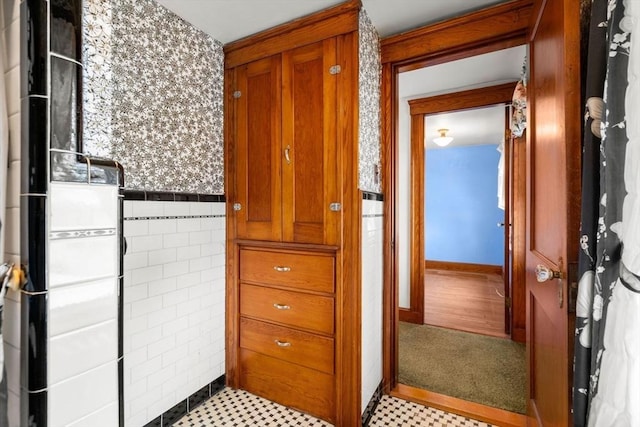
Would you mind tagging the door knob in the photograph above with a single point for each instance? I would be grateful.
(544, 273)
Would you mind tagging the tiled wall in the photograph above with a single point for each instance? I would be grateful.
(372, 254)
(370, 76)
(153, 96)
(82, 353)
(174, 292)
(10, 24)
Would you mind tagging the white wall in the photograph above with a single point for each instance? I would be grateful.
(403, 240)
(83, 270)
(10, 24)
(174, 293)
(372, 262)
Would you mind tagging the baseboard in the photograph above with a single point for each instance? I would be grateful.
(463, 266)
(179, 410)
(372, 405)
(473, 410)
(406, 315)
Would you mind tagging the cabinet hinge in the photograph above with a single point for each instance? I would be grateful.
(237, 94)
(507, 302)
(335, 69)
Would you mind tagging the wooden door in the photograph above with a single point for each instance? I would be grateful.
(258, 132)
(553, 205)
(309, 170)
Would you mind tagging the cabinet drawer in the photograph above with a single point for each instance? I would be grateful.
(291, 385)
(309, 272)
(296, 309)
(302, 348)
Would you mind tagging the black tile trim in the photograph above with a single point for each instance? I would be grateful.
(122, 250)
(170, 196)
(372, 405)
(180, 409)
(148, 218)
(35, 405)
(368, 195)
(33, 354)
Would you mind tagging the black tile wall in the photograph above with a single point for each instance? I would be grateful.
(34, 349)
(66, 28)
(174, 414)
(66, 111)
(33, 236)
(34, 145)
(33, 45)
(169, 196)
(36, 404)
(199, 396)
(372, 405)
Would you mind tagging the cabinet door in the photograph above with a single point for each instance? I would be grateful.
(258, 162)
(309, 172)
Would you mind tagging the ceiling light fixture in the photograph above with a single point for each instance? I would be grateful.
(443, 140)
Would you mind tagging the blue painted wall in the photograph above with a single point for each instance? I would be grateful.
(461, 205)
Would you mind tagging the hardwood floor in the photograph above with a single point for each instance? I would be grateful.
(464, 301)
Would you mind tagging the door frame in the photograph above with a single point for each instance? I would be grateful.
(495, 28)
(419, 109)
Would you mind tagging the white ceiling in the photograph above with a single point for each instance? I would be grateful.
(470, 127)
(229, 20)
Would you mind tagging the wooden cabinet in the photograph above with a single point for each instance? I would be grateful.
(293, 218)
(286, 146)
(287, 336)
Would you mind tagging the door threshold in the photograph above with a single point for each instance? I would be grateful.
(477, 411)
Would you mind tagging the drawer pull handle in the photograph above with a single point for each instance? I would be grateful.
(281, 268)
(282, 343)
(282, 306)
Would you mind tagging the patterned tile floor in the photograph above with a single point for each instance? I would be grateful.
(237, 408)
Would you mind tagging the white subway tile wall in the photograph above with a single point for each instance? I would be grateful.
(83, 317)
(372, 254)
(10, 26)
(174, 293)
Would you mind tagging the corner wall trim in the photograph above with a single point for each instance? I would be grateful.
(180, 409)
(372, 405)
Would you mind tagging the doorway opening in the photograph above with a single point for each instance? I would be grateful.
(467, 87)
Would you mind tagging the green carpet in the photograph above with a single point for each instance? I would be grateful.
(468, 366)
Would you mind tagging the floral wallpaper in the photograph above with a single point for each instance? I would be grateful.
(370, 169)
(153, 96)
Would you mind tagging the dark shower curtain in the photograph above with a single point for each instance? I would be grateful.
(604, 297)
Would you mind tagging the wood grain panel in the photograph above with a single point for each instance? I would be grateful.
(291, 385)
(231, 287)
(309, 133)
(464, 100)
(302, 348)
(300, 271)
(465, 33)
(553, 205)
(518, 227)
(311, 312)
(319, 26)
(348, 224)
(258, 155)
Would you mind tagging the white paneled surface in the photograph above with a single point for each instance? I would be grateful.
(78, 397)
(83, 268)
(10, 26)
(174, 290)
(372, 262)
